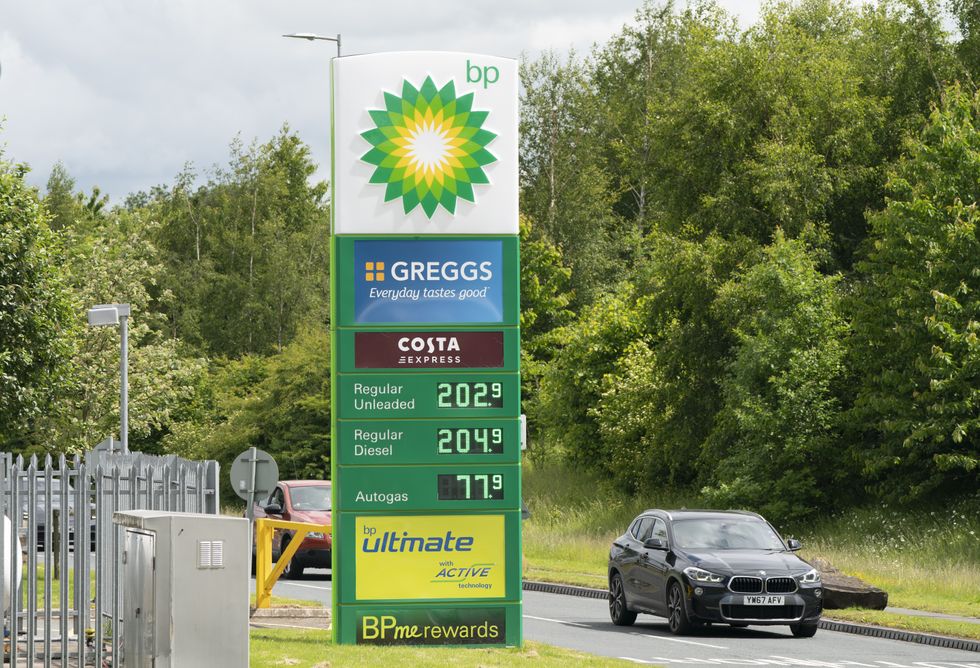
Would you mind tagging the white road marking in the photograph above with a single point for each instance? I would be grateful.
(807, 662)
(686, 642)
(642, 635)
(556, 621)
(296, 584)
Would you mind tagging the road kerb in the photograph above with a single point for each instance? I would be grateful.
(294, 618)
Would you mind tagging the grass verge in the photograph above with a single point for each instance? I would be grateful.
(55, 585)
(313, 649)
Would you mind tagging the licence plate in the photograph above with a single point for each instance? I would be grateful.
(762, 600)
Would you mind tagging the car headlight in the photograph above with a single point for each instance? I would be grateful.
(810, 577)
(703, 576)
(315, 534)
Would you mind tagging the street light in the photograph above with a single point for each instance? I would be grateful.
(103, 315)
(312, 36)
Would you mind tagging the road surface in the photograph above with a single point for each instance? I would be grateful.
(583, 624)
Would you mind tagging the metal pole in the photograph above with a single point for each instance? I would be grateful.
(250, 501)
(124, 384)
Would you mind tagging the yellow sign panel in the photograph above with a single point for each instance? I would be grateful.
(430, 557)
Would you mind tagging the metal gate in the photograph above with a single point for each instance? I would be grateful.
(62, 511)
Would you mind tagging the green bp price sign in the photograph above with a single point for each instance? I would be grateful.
(425, 350)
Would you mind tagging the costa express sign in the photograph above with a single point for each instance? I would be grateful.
(428, 350)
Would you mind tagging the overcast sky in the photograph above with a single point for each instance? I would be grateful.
(124, 92)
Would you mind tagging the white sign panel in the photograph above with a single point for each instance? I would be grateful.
(425, 143)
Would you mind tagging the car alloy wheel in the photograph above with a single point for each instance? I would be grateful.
(676, 615)
(618, 612)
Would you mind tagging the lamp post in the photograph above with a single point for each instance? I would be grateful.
(312, 36)
(102, 315)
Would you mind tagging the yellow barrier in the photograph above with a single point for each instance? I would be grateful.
(266, 573)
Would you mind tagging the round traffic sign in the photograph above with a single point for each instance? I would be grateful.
(254, 474)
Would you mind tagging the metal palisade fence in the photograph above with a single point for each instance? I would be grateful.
(62, 511)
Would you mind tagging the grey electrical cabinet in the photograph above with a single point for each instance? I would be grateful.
(185, 590)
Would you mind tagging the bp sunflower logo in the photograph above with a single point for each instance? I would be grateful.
(428, 147)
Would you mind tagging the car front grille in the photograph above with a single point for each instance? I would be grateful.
(742, 584)
(781, 585)
(766, 612)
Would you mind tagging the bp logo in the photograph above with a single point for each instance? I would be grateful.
(428, 147)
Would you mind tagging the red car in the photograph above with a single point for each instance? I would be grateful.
(300, 501)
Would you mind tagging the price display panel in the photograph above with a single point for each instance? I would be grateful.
(470, 486)
(428, 395)
(430, 488)
(439, 441)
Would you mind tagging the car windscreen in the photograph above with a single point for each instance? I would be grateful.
(312, 497)
(725, 534)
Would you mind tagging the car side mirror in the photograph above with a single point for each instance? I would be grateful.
(793, 544)
(273, 509)
(655, 544)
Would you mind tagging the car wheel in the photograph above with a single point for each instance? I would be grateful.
(618, 612)
(293, 569)
(803, 630)
(677, 619)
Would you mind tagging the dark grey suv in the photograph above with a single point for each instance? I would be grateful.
(698, 567)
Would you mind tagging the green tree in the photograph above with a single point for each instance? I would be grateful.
(967, 15)
(36, 319)
(247, 254)
(564, 188)
(916, 352)
(60, 199)
(776, 442)
(545, 299)
(572, 385)
(279, 403)
(110, 258)
(636, 77)
(658, 399)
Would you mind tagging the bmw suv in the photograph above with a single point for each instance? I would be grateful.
(698, 567)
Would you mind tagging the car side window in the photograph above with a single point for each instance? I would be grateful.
(660, 530)
(277, 498)
(644, 529)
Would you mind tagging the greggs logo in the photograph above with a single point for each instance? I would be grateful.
(431, 271)
(374, 272)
